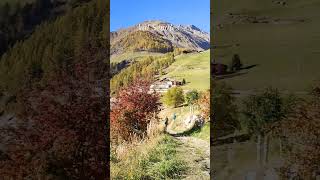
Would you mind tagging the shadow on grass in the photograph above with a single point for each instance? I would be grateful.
(229, 140)
(229, 75)
(182, 105)
(195, 129)
(235, 73)
(249, 67)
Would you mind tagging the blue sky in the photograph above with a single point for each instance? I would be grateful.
(125, 13)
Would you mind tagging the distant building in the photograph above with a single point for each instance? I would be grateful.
(163, 85)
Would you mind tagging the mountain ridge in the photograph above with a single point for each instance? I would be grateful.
(180, 36)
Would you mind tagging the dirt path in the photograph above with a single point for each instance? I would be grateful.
(197, 154)
(195, 151)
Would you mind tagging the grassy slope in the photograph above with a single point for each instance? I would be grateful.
(243, 158)
(162, 159)
(287, 55)
(195, 68)
(203, 133)
(156, 159)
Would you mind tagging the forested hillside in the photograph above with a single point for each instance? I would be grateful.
(148, 68)
(142, 41)
(19, 18)
(53, 83)
(53, 45)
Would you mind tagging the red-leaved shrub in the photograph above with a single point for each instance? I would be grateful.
(132, 110)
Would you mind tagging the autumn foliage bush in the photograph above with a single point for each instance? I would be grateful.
(204, 103)
(132, 110)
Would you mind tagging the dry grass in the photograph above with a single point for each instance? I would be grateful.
(123, 149)
(151, 157)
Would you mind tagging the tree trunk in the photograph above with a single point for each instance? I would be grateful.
(280, 147)
(266, 149)
(259, 149)
(307, 175)
(229, 155)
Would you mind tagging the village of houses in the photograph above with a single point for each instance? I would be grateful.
(164, 84)
(160, 86)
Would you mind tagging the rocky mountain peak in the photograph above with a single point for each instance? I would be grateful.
(182, 36)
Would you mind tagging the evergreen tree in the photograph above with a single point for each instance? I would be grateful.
(53, 45)
(236, 63)
(224, 109)
(192, 97)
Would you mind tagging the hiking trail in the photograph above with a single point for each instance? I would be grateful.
(195, 151)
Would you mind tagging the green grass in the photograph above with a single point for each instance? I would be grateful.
(159, 162)
(202, 133)
(287, 55)
(194, 68)
(242, 160)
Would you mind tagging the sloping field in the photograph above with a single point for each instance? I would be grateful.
(194, 68)
(280, 37)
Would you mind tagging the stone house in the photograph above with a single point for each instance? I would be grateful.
(163, 85)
